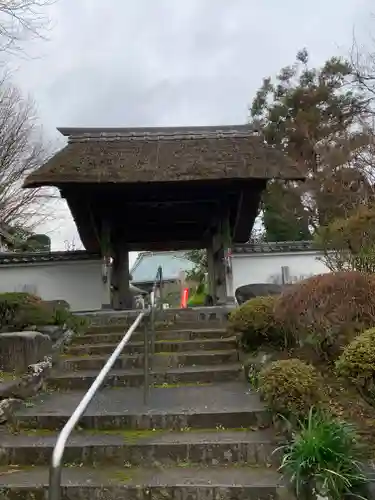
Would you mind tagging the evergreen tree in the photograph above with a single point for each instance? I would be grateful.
(318, 117)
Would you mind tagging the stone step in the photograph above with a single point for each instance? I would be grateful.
(140, 483)
(226, 343)
(135, 376)
(230, 405)
(167, 325)
(165, 360)
(146, 448)
(113, 337)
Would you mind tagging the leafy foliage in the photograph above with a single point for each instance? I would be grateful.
(21, 310)
(79, 324)
(328, 310)
(255, 320)
(315, 115)
(199, 259)
(323, 459)
(20, 239)
(348, 244)
(357, 364)
(290, 387)
(281, 222)
(10, 305)
(198, 297)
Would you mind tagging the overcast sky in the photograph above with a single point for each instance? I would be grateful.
(172, 62)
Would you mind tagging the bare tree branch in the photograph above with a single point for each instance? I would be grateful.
(21, 152)
(362, 59)
(21, 20)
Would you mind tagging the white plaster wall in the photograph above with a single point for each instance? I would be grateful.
(78, 282)
(266, 268)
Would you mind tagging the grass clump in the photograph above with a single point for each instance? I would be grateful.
(323, 459)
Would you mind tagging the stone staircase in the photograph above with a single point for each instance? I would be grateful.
(203, 434)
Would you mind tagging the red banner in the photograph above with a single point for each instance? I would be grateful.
(184, 298)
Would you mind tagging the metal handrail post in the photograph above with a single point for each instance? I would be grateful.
(54, 491)
(161, 285)
(146, 366)
(150, 353)
(152, 328)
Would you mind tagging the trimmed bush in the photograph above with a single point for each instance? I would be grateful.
(291, 387)
(256, 322)
(357, 363)
(327, 311)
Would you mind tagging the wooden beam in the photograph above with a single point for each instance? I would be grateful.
(155, 246)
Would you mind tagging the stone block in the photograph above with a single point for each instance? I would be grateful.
(247, 292)
(58, 304)
(18, 350)
(29, 384)
(54, 332)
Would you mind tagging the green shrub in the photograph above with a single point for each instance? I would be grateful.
(323, 456)
(11, 303)
(197, 300)
(327, 311)
(21, 310)
(199, 296)
(256, 322)
(60, 316)
(32, 315)
(291, 387)
(357, 363)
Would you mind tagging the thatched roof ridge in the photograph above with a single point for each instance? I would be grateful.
(133, 155)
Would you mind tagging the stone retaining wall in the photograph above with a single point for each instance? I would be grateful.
(15, 389)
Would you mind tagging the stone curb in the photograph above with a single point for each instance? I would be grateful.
(15, 392)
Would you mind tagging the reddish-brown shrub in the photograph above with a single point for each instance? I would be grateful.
(328, 310)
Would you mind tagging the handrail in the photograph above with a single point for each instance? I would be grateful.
(54, 490)
(158, 283)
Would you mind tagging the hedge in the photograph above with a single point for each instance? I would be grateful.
(327, 311)
(357, 363)
(256, 322)
(291, 387)
(21, 310)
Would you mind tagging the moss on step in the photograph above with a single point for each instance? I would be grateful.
(170, 341)
(128, 474)
(123, 476)
(165, 385)
(7, 376)
(131, 436)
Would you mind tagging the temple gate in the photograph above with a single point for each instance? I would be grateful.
(163, 189)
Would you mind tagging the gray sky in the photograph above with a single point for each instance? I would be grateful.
(172, 62)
